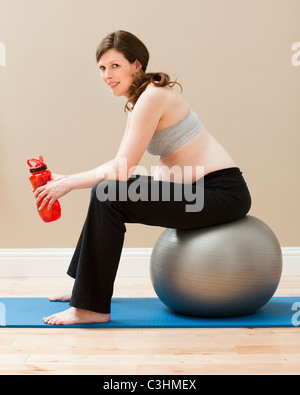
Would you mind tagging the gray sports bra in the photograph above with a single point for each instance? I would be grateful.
(165, 141)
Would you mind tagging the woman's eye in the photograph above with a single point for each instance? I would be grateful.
(115, 65)
(102, 68)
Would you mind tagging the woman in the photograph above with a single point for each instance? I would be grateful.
(160, 121)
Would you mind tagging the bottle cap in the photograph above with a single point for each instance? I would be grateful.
(38, 166)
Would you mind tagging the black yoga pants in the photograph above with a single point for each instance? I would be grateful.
(96, 258)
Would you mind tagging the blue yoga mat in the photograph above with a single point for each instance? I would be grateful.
(147, 313)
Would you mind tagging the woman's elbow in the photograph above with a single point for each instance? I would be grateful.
(122, 177)
(124, 172)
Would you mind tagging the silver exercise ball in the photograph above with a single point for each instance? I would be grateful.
(219, 271)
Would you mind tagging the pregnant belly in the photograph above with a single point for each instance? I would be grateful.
(199, 156)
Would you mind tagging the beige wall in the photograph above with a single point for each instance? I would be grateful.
(232, 57)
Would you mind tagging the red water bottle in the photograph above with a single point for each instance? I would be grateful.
(40, 176)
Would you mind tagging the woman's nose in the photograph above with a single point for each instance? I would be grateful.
(108, 74)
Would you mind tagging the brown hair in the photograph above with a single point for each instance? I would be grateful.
(133, 49)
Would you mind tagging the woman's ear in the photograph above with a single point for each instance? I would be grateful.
(138, 65)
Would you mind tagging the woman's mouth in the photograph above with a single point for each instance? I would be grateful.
(113, 85)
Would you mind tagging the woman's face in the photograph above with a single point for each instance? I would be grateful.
(117, 72)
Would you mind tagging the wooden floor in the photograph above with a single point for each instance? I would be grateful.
(143, 351)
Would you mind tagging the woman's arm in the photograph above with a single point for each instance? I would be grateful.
(57, 188)
(139, 131)
(89, 178)
(143, 122)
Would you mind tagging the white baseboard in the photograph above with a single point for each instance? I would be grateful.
(134, 262)
(54, 262)
(291, 261)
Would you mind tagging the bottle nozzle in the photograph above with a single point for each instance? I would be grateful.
(39, 164)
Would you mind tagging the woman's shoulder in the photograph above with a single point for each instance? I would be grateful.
(159, 91)
(159, 95)
(164, 101)
(171, 104)
(154, 96)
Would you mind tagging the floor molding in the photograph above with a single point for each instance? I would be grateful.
(53, 262)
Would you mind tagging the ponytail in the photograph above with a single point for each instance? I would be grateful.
(141, 82)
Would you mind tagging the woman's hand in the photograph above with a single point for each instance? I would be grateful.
(56, 177)
(51, 191)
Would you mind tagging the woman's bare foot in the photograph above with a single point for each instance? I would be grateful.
(61, 298)
(74, 316)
